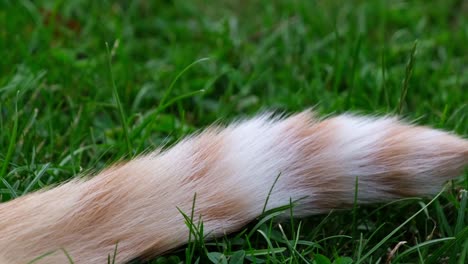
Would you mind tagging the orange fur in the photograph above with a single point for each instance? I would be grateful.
(231, 171)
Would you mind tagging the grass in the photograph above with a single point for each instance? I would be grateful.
(68, 103)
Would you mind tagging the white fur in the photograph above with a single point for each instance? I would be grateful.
(231, 171)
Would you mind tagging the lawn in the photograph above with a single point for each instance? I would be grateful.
(84, 84)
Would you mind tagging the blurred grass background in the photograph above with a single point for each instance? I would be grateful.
(180, 65)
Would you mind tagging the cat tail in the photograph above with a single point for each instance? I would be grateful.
(223, 176)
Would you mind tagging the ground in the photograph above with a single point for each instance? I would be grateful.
(86, 83)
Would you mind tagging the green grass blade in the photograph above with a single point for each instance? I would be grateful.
(408, 72)
(12, 142)
(37, 178)
(123, 119)
(378, 245)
